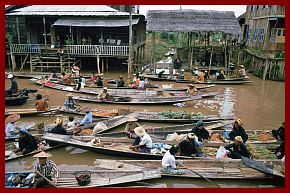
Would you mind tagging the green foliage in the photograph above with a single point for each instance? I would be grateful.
(69, 40)
(164, 36)
(279, 55)
(181, 115)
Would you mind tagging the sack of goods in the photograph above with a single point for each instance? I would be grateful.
(83, 178)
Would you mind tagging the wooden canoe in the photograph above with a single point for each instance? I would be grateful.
(211, 169)
(216, 82)
(20, 100)
(96, 112)
(99, 178)
(159, 117)
(38, 74)
(27, 112)
(138, 101)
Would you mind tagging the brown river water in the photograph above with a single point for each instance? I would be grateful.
(260, 105)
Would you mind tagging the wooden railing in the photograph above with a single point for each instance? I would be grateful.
(98, 50)
(269, 11)
(25, 48)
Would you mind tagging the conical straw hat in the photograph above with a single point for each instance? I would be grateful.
(12, 118)
(42, 154)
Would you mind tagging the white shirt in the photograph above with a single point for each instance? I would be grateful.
(71, 124)
(142, 84)
(168, 160)
(146, 140)
(10, 128)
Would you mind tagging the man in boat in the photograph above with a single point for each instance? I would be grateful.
(195, 71)
(71, 123)
(58, 129)
(200, 132)
(238, 130)
(10, 129)
(69, 103)
(237, 150)
(104, 95)
(169, 162)
(131, 125)
(99, 81)
(45, 170)
(27, 142)
(279, 134)
(188, 147)
(206, 75)
(88, 119)
(121, 82)
(13, 90)
(191, 89)
(242, 71)
(80, 84)
(143, 142)
(220, 75)
(41, 104)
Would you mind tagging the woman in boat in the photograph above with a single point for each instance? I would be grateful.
(13, 90)
(169, 162)
(191, 89)
(104, 95)
(41, 104)
(188, 147)
(75, 71)
(71, 123)
(136, 81)
(131, 125)
(143, 142)
(237, 150)
(200, 132)
(88, 119)
(121, 82)
(93, 77)
(46, 168)
(141, 85)
(200, 77)
(242, 71)
(221, 76)
(27, 142)
(279, 134)
(238, 130)
(10, 129)
(69, 103)
(99, 81)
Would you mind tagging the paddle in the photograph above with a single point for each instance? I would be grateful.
(37, 172)
(215, 184)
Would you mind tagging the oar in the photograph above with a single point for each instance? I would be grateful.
(204, 178)
(37, 172)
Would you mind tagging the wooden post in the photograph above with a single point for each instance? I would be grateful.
(44, 33)
(107, 65)
(225, 53)
(30, 60)
(60, 60)
(98, 64)
(130, 43)
(210, 60)
(266, 69)
(17, 28)
(153, 54)
(13, 62)
(52, 35)
(103, 64)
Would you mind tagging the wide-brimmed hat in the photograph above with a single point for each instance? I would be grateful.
(12, 118)
(105, 88)
(86, 109)
(131, 119)
(58, 121)
(70, 95)
(42, 154)
(239, 121)
(199, 123)
(10, 76)
(239, 138)
(242, 66)
(139, 131)
(182, 70)
(192, 85)
(192, 136)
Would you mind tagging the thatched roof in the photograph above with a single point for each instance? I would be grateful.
(192, 21)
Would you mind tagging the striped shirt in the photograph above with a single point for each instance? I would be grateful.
(49, 169)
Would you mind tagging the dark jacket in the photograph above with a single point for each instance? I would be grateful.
(187, 148)
(28, 144)
(57, 130)
(237, 153)
(200, 133)
(99, 82)
(240, 131)
(121, 83)
(279, 132)
(14, 86)
(281, 149)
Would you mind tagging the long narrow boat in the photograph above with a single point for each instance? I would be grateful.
(177, 117)
(138, 101)
(98, 178)
(216, 82)
(96, 112)
(27, 112)
(37, 74)
(18, 100)
(211, 169)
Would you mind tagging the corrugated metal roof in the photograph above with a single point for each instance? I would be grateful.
(94, 22)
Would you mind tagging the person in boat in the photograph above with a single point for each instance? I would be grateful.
(220, 75)
(82, 79)
(237, 150)
(206, 75)
(200, 77)
(280, 151)
(141, 85)
(242, 71)
(143, 142)
(200, 132)
(75, 71)
(131, 125)
(177, 64)
(69, 103)
(160, 74)
(191, 89)
(27, 142)
(93, 77)
(88, 119)
(136, 81)
(238, 130)
(206, 58)
(58, 129)
(104, 95)
(99, 81)
(13, 90)
(195, 71)
(80, 84)
(169, 162)
(41, 104)
(71, 123)
(188, 147)
(279, 134)
(46, 168)
(11, 129)
(121, 82)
